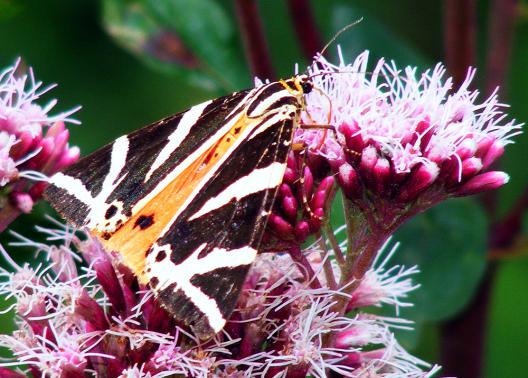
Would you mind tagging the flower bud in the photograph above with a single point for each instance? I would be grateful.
(484, 181)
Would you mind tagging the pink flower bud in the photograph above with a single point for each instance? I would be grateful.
(348, 180)
(26, 141)
(471, 167)
(483, 146)
(421, 178)
(47, 145)
(424, 129)
(308, 181)
(56, 129)
(483, 182)
(289, 207)
(22, 201)
(381, 175)
(302, 231)
(95, 255)
(467, 148)
(354, 336)
(90, 311)
(352, 134)
(68, 157)
(289, 176)
(369, 157)
(321, 196)
(282, 227)
(494, 152)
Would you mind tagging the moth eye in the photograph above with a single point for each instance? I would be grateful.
(307, 86)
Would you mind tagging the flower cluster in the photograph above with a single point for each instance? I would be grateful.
(404, 139)
(33, 144)
(395, 143)
(97, 320)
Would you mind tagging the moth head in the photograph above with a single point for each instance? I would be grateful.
(298, 85)
(304, 82)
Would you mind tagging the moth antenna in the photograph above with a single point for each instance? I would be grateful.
(341, 31)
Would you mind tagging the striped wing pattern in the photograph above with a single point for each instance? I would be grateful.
(185, 200)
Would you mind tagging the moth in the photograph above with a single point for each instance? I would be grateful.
(185, 200)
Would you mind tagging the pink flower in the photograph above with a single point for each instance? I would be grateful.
(402, 136)
(97, 319)
(33, 144)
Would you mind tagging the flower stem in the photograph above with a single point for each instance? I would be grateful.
(306, 268)
(327, 265)
(459, 37)
(254, 40)
(8, 213)
(463, 338)
(305, 27)
(329, 233)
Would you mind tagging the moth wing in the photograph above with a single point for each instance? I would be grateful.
(101, 190)
(185, 200)
(197, 267)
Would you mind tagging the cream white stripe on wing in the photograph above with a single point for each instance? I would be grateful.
(185, 164)
(247, 99)
(279, 117)
(264, 106)
(76, 188)
(187, 121)
(180, 274)
(284, 114)
(256, 181)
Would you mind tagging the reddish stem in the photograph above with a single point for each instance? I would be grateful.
(7, 215)
(503, 14)
(305, 27)
(459, 37)
(463, 338)
(304, 265)
(254, 40)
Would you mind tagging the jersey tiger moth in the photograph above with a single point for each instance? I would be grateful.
(185, 200)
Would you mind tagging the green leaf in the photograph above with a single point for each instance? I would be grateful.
(448, 243)
(190, 39)
(508, 328)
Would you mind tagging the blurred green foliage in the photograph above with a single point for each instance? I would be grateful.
(131, 62)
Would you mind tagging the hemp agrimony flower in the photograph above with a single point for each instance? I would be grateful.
(98, 321)
(33, 144)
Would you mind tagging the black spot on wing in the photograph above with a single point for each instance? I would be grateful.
(144, 221)
(110, 212)
(161, 256)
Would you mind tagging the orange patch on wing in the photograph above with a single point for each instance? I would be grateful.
(137, 235)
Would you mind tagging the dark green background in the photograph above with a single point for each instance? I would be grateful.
(95, 56)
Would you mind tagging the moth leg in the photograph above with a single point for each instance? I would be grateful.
(304, 194)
